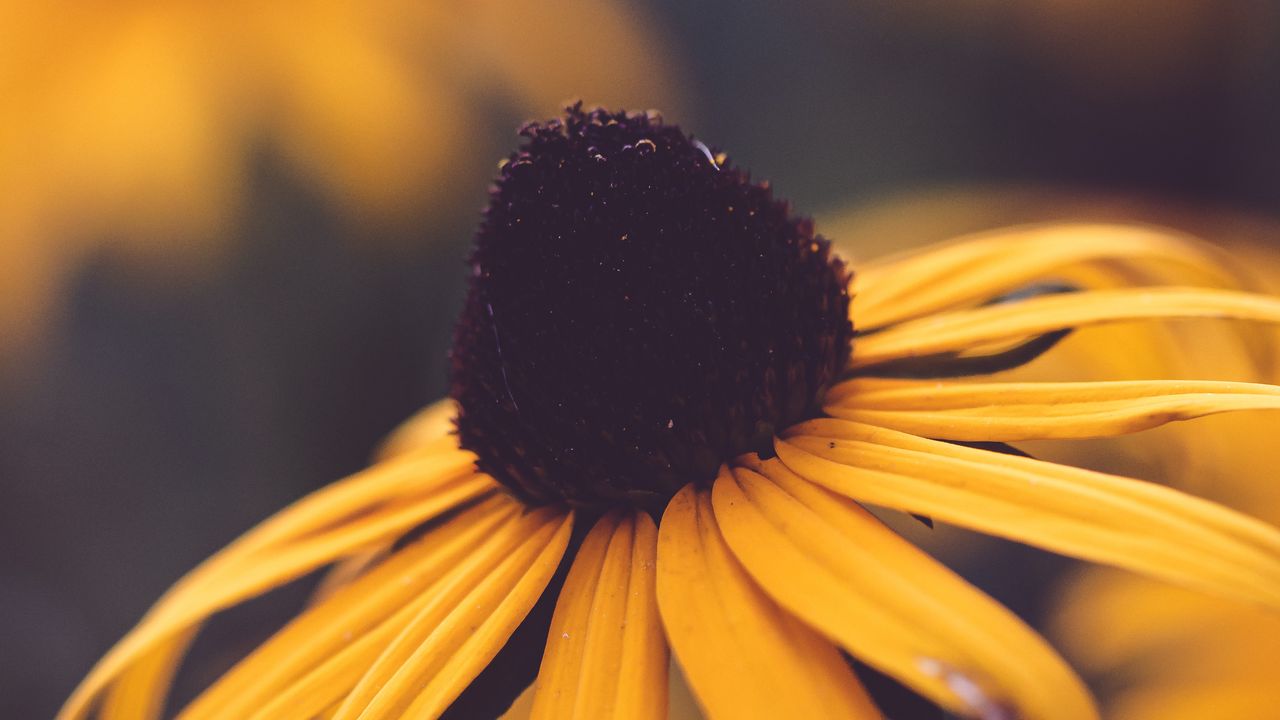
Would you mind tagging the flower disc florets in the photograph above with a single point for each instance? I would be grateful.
(639, 312)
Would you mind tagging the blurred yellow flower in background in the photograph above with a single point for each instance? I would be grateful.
(1163, 654)
(133, 124)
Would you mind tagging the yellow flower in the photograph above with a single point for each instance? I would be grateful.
(135, 123)
(650, 335)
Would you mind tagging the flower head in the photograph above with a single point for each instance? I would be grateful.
(647, 329)
(639, 312)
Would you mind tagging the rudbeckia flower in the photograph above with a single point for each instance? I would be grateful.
(667, 384)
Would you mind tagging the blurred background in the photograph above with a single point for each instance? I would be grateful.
(232, 237)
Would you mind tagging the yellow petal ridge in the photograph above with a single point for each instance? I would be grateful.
(350, 612)
(976, 267)
(606, 656)
(743, 656)
(467, 619)
(339, 520)
(964, 330)
(1024, 411)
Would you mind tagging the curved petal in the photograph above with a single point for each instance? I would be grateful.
(839, 569)
(327, 627)
(897, 394)
(976, 267)
(422, 429)
(140, 691)
(340, 520)
(321, 691)
(409, 475)
(325, 687)
(1025, 411)
(967, 329)
(427, 428)
(606, 656)
(465, 622)
(345, 571)
(743, 656)
(1128, 523)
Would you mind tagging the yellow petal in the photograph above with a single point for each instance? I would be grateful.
(967, 329)
(1128, 523)
(323, 688)
(350, 612)
(140, 691)
(334, 679)
(423, 429)
(1024, 411)
(606, 656)
(744, 656)
(466, 621)
(258, 572)
(346, 570)
(899, 394)
(426, 429)
(410, 475)
(986, 265)
(839, 569)
(295, 541)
